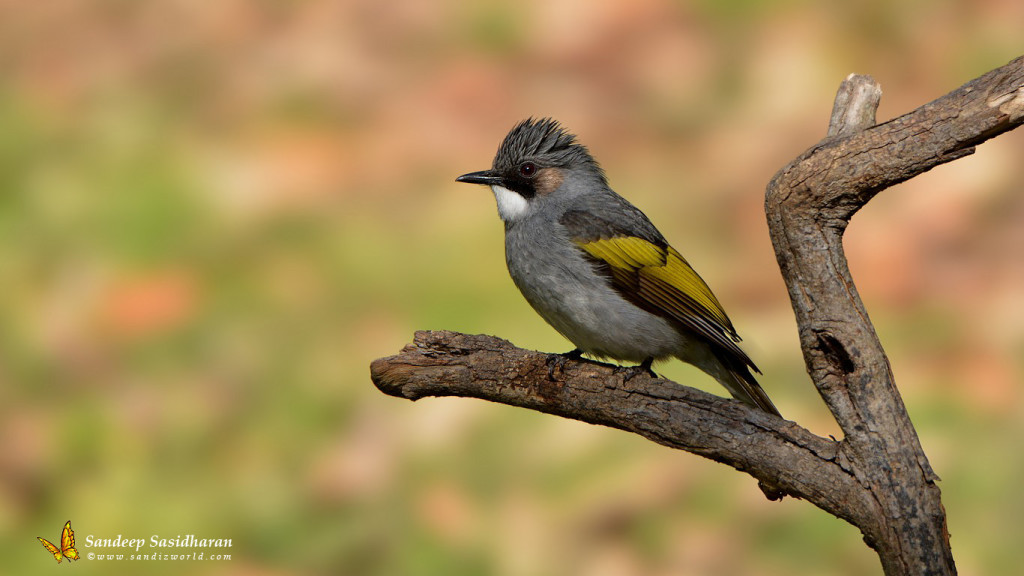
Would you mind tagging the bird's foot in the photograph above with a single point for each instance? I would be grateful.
(634, 371)
(558, 361)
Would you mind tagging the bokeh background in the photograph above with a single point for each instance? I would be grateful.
(215, 215)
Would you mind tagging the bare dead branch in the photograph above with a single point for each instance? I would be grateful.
(784, 457)
(808, 204)
(855, 105)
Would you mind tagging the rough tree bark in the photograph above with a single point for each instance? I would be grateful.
(877, 477)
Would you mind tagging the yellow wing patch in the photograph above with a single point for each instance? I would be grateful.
(625, 252)
(664, 277)
(67, 544)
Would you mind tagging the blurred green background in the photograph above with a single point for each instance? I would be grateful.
(215, 215)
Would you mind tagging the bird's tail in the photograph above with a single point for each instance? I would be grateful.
(738, 380)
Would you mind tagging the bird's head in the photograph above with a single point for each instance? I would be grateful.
(538, 161)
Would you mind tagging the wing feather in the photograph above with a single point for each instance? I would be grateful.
(654, 276)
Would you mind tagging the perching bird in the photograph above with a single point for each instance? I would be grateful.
(596, 269)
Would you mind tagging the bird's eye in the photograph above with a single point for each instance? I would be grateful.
(528, 169)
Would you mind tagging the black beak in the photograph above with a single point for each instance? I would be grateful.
(488, 177)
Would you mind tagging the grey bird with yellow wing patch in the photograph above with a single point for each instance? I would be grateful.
(596, 269)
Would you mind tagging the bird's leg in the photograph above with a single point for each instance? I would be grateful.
(559, 360)
(648, 366)
(641, 368)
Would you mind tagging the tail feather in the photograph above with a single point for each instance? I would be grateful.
(744, 387)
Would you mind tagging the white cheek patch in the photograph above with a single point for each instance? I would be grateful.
(510, 205)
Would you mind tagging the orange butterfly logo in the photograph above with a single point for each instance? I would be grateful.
(67, 544)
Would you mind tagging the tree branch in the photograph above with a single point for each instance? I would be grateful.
(784, 457)
(808, 204)
(877, 477)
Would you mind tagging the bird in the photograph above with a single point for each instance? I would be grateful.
(596, 269)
